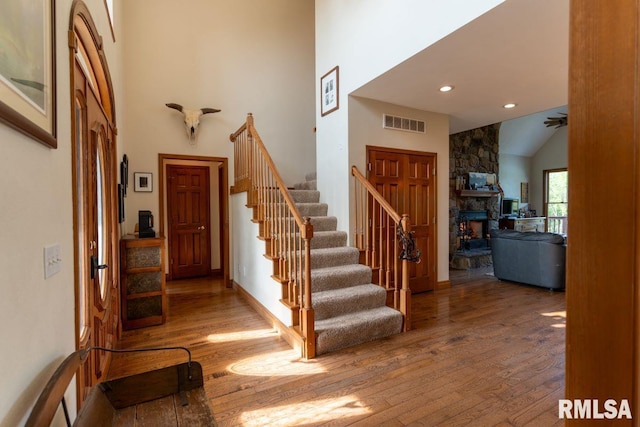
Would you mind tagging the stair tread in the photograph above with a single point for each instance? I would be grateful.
(343, 249)
(348, 321)
(305, 196)
(349, 290)
(356, 290)
(338, 270)
(321, 222)
(311, 204)
(340, 301)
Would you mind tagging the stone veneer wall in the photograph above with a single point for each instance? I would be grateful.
(474, 150)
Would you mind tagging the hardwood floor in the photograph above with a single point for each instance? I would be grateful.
(481, 353)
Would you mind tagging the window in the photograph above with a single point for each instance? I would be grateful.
(556, 200)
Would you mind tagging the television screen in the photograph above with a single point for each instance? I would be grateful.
(510, 207)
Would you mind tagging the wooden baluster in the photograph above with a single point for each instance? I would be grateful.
(300, 264)
(405, 292)
(360, 217)
(381, 271)
(275, 212)
(367, 230)
(293, 267)
(363, 220)
(373, 234)
(357, 216)
(283, 214)
(387, 284)
(261, 198)
(396, 284)
(242, 163)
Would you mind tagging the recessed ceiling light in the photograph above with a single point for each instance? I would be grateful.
(446, 88)
(509, 105)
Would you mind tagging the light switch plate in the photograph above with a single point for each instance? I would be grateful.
(52, 260)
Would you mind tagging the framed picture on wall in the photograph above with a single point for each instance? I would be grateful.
(143, 182)
(27, 69)
(329, 93)
(524, 192)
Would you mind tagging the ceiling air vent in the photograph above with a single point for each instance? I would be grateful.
(403, 123)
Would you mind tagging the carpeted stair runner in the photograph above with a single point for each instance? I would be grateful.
(349, 309)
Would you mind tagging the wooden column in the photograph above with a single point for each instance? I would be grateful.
(603, 265)
(308, 314)
(405, 291)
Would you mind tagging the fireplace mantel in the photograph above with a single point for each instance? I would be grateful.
(476, 193)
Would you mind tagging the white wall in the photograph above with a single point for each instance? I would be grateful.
(239, 56)
(552, 155)
(37, 328)
(515, 170)
(350, 35)
(365, 128)
(251, 270)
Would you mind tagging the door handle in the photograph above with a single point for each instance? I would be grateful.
(95, 266)
(202, 227)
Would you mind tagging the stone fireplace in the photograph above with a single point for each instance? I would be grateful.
(475, 150)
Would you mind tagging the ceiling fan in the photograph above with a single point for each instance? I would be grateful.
(558, 122)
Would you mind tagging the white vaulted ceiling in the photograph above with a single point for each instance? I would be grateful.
(516, 52)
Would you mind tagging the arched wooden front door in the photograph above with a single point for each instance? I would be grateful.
(94, 178)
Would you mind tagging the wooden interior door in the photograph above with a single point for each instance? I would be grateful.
(188, 207)
(406, 179)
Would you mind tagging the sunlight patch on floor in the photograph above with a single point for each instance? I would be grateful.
(561, 316)
(242, 335)
(321, 410)
(277, 363)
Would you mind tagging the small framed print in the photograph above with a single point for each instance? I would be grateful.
(27, 69)
(524, 192)
(143, 182)
(329, 92)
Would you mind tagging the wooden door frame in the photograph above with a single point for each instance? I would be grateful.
(603, 251)
(370, 148)
(223, 199)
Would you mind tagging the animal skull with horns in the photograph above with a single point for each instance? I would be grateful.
(192, 118)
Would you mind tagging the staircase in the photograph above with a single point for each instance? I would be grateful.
(349, 309)
(330, 295)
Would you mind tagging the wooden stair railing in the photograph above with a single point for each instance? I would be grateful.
(385, 240)
(286, 233)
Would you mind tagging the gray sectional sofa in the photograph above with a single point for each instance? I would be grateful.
(529, 257)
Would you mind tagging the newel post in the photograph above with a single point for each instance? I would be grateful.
(405, 292)
(308, 316)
